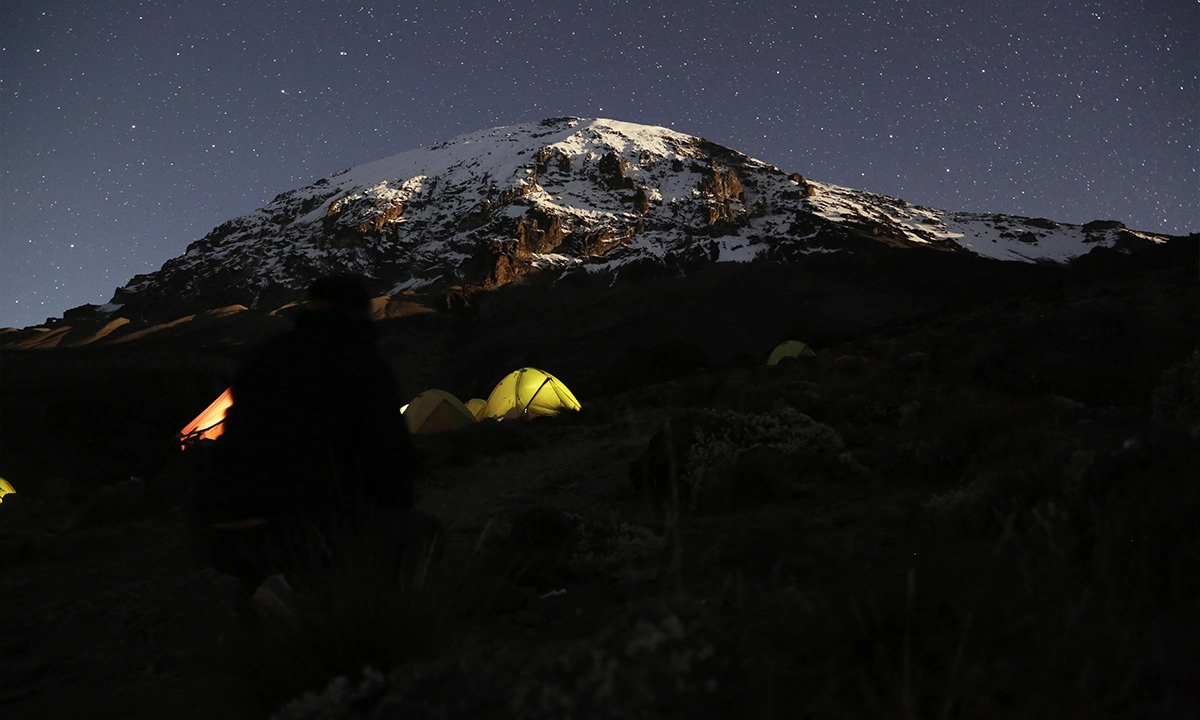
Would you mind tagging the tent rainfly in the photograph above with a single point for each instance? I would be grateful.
(208, 425)
(6, 488)
(436, 411)
(789, 349)
(529, 392)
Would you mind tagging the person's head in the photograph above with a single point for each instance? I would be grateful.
(346, 294)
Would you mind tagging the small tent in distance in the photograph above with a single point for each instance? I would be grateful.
(476, 406)
(6, 488)
(789, 350)
(435, 411)
(529, 392)
(209, 424)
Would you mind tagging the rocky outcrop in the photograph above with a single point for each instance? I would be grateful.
(548, 158)
(356, 216)
(539, 231)
(721, 184)
(641, 201)
(611, 169)
(806, 188)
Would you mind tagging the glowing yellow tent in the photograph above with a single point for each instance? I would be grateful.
(789, 349)
(476, 406)
(208, 424)
(436, 411)
(528, 392)
(6, 488)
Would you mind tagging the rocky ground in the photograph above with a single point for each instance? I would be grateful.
(966, 505)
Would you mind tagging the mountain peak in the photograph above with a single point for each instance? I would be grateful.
(590, 194)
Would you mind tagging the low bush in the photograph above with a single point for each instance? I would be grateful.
(353, 613)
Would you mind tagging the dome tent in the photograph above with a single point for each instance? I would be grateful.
(789, 349)
(208, 425)
(476, 406)
(436, 411)
(529, 392)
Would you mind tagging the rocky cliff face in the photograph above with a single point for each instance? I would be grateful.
(565, 194)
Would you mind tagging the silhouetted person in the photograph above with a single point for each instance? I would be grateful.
(314, 450)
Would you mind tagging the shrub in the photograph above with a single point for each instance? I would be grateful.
(655, 660)
(700, 454)
(1176, 400)
(550, 543)
(356, 612)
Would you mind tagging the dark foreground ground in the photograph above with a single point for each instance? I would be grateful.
(977, 509)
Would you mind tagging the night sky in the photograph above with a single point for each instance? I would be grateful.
(130, 129)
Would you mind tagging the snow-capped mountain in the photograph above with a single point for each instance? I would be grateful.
(593, 195)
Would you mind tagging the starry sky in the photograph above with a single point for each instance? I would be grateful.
(129, 129)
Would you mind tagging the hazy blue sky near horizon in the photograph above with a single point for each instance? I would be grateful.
(130, 129)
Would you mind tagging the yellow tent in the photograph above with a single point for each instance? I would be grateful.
(529, 392)
(208, 425)
(436, 411)
(476, 406)
(6, 488)
(789, 349)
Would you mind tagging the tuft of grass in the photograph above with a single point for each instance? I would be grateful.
(962, 634)
(355, 611)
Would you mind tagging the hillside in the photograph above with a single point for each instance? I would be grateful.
(977, 500)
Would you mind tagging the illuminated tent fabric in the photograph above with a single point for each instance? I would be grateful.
(6, 488)
(476, 406)
(436, 411)
(208, 425)
(789, 349)
(529, 392)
